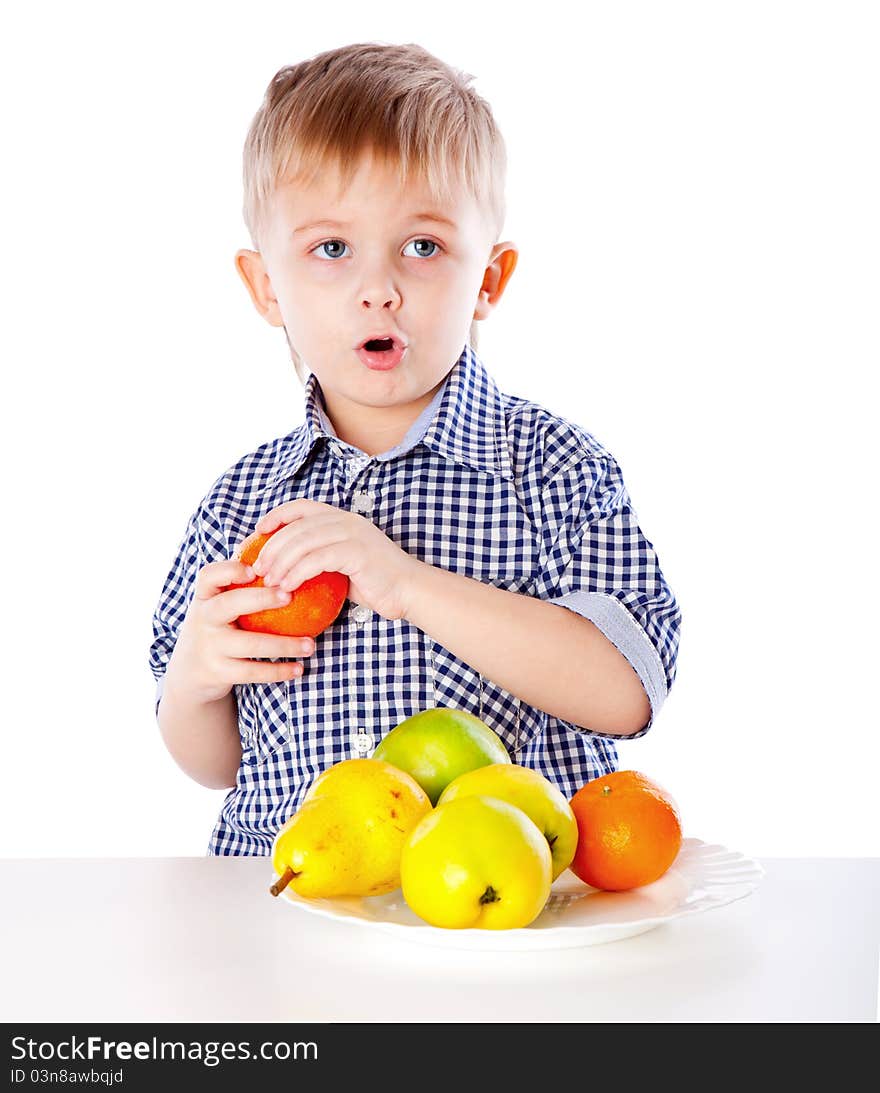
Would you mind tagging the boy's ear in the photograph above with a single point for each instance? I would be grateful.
(502, 263)
(252, 271)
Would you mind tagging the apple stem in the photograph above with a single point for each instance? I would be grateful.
(283, 881)
(490, 896)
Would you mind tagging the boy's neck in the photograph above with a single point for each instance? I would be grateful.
(375, 429)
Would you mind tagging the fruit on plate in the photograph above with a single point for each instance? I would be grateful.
(312, 607)
(476, 862)
(346, 837)
(438, 744)
(529, 790)
(629, 831)
(371, 785)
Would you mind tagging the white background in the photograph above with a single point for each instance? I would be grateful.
(693, 189)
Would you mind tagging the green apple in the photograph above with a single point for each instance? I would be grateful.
(438, 744)
(476, 862)
(539, 799)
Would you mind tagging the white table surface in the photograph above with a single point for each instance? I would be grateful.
(201, 939)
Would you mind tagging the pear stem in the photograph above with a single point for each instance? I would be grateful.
(283, 881)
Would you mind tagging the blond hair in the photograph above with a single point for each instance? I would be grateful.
(398, 101)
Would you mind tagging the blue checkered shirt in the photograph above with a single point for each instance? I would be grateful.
(485, 484)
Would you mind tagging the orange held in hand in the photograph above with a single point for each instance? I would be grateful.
(629, 831)
(313, 605)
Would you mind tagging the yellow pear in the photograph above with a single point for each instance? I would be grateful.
(347, 836)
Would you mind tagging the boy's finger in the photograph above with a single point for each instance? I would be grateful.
(242, 601)
(267, 523)
(286, 514)
(255, 671)
(217, 576)
(248, 644)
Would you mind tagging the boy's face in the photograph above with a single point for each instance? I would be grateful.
(382, 267)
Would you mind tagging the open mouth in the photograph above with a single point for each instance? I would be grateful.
(382, 354)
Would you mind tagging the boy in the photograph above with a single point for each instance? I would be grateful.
(494, 559)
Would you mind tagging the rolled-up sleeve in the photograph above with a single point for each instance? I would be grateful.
(598, 564)
(203, 542)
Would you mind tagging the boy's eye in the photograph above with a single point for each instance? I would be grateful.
(321, 252)
(429, 242)
(319, 249)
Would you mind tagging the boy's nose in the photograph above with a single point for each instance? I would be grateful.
(380, 299)
(379, 291)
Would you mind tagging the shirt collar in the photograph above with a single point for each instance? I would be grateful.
(464, 422)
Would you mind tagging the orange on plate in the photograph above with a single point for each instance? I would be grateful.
(629, 831)
(313, 605)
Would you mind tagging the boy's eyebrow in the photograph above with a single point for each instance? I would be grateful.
(438, 217)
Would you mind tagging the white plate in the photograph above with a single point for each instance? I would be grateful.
(703, 876)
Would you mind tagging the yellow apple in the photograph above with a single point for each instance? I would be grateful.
(476, 862)
(539, 799)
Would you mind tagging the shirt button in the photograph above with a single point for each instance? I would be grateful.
(360, 612)
(362, 742)
(362, 503)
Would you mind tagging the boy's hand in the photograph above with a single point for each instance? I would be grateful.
(212, 654)
(317, 538)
